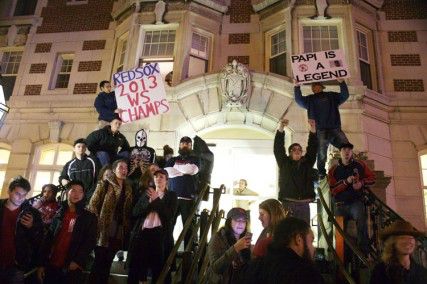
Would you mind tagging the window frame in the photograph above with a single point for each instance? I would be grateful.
(196, 55)
(3, 167)
(8, 75)
(268, 48)
(122, 53)
(52, 169)
(423, 187)
(57, 70)
(338, 22)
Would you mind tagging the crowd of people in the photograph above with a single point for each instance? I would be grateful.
(122, 198)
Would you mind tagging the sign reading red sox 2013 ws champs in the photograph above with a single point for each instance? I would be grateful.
(140, 93)
(319, 66)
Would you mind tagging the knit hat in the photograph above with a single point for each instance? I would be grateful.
(236, 213)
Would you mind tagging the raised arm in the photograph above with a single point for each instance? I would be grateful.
(279, 141)
(344, 94)
(313, 144)
(301, 101)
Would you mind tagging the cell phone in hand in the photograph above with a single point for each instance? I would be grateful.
(248, 235)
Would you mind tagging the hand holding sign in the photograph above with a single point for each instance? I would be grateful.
(140, 93)
(319, 66)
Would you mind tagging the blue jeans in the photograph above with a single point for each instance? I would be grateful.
(105, 157)
(325, 137)
(300, 210)
(355, 211)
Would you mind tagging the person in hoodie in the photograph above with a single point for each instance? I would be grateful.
(140, 157)
(69, 240)
(105, 104)
(108, 144)
(182, 171)
(21, 230)
(296, 172)
(83, 168)
(323, 108)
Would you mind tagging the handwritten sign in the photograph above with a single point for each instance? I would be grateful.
(319, 66)
(140, 93)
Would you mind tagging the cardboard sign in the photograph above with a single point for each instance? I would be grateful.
(140, 93)
(319, 66)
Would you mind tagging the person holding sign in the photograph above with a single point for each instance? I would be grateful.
(107, 143)
(323, 108)
(105, 104)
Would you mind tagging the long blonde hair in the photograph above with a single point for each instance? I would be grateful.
(276, 211)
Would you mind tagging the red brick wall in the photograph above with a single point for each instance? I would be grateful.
(32, 90)
(403, 85)
(43, 47)
(93, 44)
(405, 59)
(240, 11)
(38, 68)
(405, 9)
(402, 36)
(85, 66)
(240, 59)
(85, 88)
(60, 17)
(239, 38)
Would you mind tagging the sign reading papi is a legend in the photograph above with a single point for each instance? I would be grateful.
(140, 93)
(319, 66)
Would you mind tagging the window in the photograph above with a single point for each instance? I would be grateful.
(318, 38)
(49, 161)
(4, 160)
(64, 64)
(9, 68)
(278, 53)
(159, 43)
(365, 66)
(423, 162)
(199, 55)
(159, 47)
(76, 2)
(25, 7)
(122, 47)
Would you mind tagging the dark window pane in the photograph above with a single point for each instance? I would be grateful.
(278, 64)
(365, 74)
(62, 81)
(8, 82)
(25, 7)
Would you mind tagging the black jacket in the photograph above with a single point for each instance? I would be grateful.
(83, 239)
(27, 240)
(280, 266)
(295, 177)
(165, 207)
(85, 170)
(383, 275)
(104, 140)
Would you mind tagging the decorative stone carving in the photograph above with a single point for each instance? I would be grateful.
(55, 128)
(235, 84)
(321, 6)
(159, 10)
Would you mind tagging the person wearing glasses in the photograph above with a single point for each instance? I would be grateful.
(296, 188)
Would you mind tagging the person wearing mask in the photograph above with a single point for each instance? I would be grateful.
(112, 204)
(83, 168)
(396, 264)
(47, 204)
(21, 230)
(182, 171)
(322, 107)
(289, 258)
(69, 240)
(229, 248)
(105, 104)
(108, 144)
(296, 188)
(347, 180)
(271, 212)
(152, 236)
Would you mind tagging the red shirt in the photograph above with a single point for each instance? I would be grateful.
(48, 211)
(63, 240)
(7, 237)
(260, 248)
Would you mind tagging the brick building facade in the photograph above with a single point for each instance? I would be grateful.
(55, 52)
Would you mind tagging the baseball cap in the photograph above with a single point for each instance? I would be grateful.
(236, 213)
(346, 145)
(185, 139)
